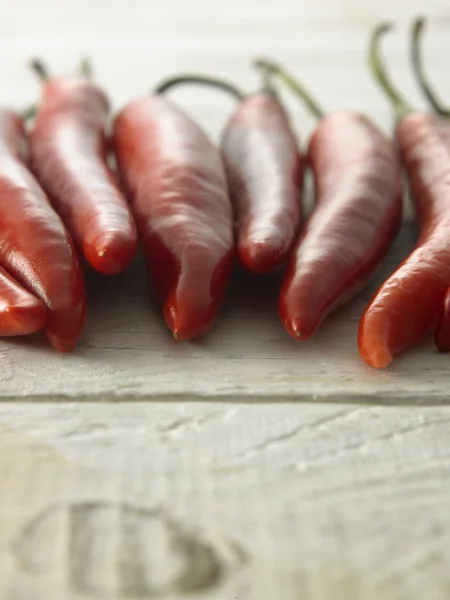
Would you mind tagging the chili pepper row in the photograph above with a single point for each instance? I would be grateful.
(194, 207)
(413, 300)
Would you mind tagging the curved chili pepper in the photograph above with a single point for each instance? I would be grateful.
(178, 192)
(265, 174)
(35, 248)
(409, 303)
(69, 156)
(442, 333)
(21, 313)
(356, 217)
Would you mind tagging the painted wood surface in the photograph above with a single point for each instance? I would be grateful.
(301, 474)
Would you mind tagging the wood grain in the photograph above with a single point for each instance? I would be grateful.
(301, 473)
(224, 501)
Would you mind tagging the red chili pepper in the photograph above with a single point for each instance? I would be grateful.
(442, 334)
(21, 313)
(409, 303)
(356, 217)
(178, 194)
(69, 156)
(264, 171)
(265, 175)
(35, 248)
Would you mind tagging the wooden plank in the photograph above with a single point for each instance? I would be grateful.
(221, 500)
(224, 501)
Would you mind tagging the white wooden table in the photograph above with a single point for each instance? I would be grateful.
(245, 466)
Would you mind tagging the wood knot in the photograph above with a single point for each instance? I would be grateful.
(102, 549)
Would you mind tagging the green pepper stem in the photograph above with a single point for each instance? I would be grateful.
(85, 68)
(29, 113)
(267, 86)
(193, 78)
(40, 68)
(419, 69)
(42, 71)
(400, 104)
(291, 82)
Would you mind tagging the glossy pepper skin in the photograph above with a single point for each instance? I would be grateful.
(442, 333)
(410, 302)
(356, 217)
(68, 154)
(35, 248)
(21, 313)
(179, 198)
(265, 177)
